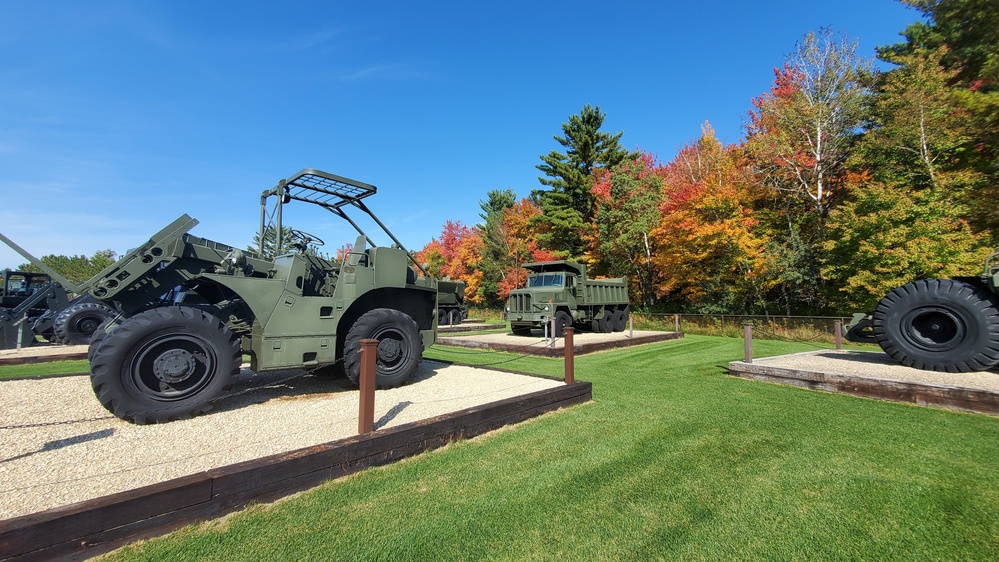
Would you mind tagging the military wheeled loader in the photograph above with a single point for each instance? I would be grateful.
(163, 359)
(949, 325)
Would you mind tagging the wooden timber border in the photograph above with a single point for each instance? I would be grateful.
(93, 527)
(557, 350)
(921, 393)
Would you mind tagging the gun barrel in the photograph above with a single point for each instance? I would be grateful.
(66, 283)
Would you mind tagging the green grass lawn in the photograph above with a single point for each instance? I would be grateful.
(44, 369)
(673, 459)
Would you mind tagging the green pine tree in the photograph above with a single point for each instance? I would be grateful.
(568, 206)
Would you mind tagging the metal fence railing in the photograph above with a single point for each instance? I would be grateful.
(786, 328)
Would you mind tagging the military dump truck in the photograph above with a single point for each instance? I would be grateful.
(559, 290)
(451, 309)
(39, 304)
(161, 359)
(949, 325)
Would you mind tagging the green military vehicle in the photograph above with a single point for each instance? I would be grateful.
(559, 291)
(451, 308)
(40, 304)
(949, 325)
(163, 359)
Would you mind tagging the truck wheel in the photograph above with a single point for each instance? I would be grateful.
(939, 325)
(441, 317)
(604, 323)
(400, 346)
(562, 321)
(163, 364)
(76, 324)
(454, 317)
(618, 321)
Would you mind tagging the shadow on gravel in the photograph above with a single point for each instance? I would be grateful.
(61, 443)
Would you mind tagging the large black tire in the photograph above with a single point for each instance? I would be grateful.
(95, 340)
(618, 321)
(604, 325)
(454, 317)
(76, 324)
(164, 364)
(562, 321)
(400, 346)
(939, 325)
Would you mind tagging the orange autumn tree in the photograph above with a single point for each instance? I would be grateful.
(456, 254)
(708, 252)
(521, 229)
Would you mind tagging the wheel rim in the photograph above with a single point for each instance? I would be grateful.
(933, 328)
(173, 367)
(391, 350)
(87, 324)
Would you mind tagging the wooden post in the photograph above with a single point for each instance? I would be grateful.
(676, 323)
(748, 328)
(552, 332)
(631, 327)
(838, 336)
(570, 367)
(366, 411)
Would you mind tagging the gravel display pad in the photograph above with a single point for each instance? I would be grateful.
(875, 364)
(60, 446)
(536, 344)
(875, 375)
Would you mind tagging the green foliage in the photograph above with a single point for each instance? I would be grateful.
(627, 211)
(884, 237)
(77, 269)
(496, 251)
(568, 206)
(918, 134)
(965, 34)
(269, 249)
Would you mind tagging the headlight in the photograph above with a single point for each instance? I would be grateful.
(508, 308)
(546, 308)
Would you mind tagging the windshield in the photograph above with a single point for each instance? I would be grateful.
(545, 280)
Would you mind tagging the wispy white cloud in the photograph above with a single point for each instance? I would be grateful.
(397, 71)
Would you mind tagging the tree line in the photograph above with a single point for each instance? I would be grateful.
(848, 182)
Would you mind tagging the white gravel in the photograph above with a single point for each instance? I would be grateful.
(878, 365)
(58, 445)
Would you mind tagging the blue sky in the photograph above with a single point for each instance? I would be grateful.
(118, 116)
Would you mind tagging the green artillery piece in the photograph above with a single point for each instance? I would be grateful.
(39, 304)
(949, 325)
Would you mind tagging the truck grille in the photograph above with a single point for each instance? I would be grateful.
(520, 303)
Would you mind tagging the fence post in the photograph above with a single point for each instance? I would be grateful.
(570, 367)
(838, 336)
(552, 331)
(676, 323)
(631, 327)
(748, 336)
(366, 411)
